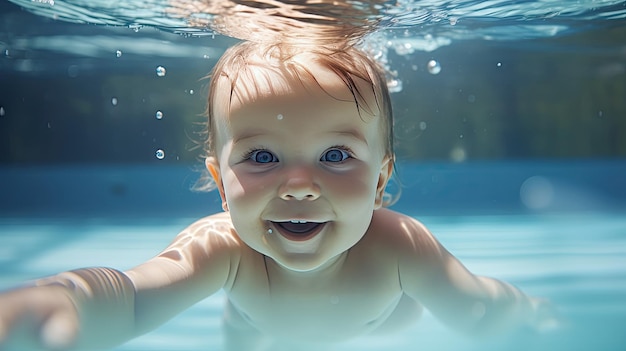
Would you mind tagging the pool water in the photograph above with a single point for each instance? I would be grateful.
(577, 261)
(511, 140)
(573, 256)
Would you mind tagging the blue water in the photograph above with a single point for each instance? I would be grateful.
(554, 227)
(577, 261)
(571, 250)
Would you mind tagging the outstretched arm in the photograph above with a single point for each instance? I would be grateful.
(475, 304)
(102, 307)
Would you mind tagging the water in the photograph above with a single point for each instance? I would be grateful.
(510, 120)
(577, 261)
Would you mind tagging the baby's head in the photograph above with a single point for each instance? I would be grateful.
(248, 71)
(300, 148)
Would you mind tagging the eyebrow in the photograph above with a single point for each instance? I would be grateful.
(249, 134)
(353, 134)
(349, 133)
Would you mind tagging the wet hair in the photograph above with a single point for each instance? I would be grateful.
(247, 66)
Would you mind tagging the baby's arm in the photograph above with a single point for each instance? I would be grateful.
(475, 304)
(102, 307)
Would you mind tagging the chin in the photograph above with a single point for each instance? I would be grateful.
(303, 263)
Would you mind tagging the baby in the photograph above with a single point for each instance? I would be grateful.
(300, 148)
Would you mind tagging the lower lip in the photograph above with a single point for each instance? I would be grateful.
(296, 237)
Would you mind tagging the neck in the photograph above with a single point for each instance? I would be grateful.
(326, 272)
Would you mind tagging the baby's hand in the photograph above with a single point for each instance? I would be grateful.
(545, 316)
(43, 317)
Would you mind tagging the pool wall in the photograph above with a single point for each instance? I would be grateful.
(472, 188)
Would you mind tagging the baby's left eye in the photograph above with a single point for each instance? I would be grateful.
(335, 155)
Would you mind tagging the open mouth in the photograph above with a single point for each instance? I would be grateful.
(297, 230)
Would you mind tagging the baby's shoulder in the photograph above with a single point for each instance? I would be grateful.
(213, 230)
(401, 233)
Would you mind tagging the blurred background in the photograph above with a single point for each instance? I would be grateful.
(95, 101)
(84, 107)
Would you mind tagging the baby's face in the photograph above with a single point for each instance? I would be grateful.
(301, 171)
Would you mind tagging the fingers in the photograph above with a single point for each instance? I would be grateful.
(546, 317)
(60, 330)
(37, 318)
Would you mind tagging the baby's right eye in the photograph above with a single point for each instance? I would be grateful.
(262, 156)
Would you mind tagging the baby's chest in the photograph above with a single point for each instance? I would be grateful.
(349, 306)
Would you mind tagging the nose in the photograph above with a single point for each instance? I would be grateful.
(299, 185)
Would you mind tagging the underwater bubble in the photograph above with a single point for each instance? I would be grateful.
(160, 154)
(394, 85)
(114, 101)
(191, 92)
(403, 49)
(118, 53)
(499, 64)
(2, 111)
(160, 71)
(433, 67)
(423, 125)
(279, 117)
(458, 154)
(471, 98)
(159, 115)
(73, 71)
(537, 192)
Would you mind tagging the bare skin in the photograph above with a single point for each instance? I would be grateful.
(304, 250)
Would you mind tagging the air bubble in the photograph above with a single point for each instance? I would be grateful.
(114, 101)
(423, 125)
(394, 85)
(160, 154)
(499, 64)
(118, 53)
(279, 117)
(159, 115)
(537, 192)
(160, 71)
(433, 67)
(458, 154)
(2, 112)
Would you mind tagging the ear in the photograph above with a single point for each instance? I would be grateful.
(213, 166)
(386, 170)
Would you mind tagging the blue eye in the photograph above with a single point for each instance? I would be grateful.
(262, 156)
(335, 155)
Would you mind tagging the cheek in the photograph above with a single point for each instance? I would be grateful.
(238, 185)
(359, 183)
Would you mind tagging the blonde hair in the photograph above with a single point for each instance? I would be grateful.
(246, 63)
